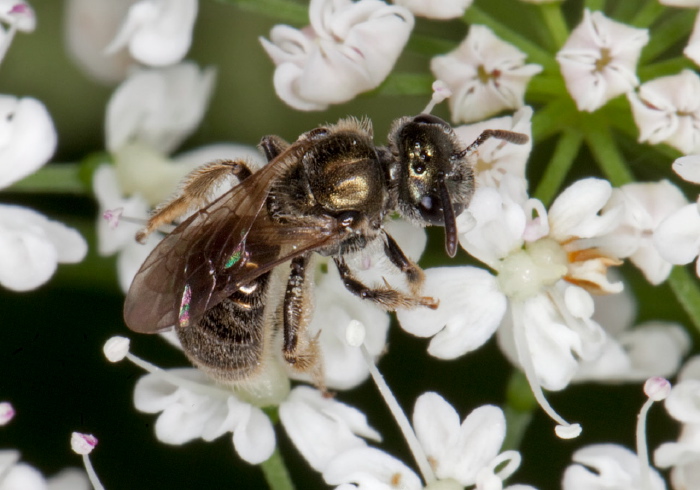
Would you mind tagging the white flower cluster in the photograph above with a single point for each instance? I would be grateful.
(545, 284)
(31, 245)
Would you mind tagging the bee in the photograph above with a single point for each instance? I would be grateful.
(329, 192)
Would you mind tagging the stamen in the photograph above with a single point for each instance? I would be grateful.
(657, 389)
(5, 45)
(162, 373)
(487, 476)
(84, 444)
(409, 435)
(7, 413)
(564, 430)
(440, 92)
(112, 216)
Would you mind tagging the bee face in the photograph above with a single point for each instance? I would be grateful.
(432, 167)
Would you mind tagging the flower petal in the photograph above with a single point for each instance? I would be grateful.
(27, 138)
(370, 469)
(471, 308)
(321, 428)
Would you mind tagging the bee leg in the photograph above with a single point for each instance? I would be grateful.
(272, 146)
(299, 349)
(414, 274)
(386, 297)
(194, 192)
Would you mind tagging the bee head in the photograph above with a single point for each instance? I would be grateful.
(433, 178)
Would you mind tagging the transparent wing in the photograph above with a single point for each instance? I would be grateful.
(221, 247)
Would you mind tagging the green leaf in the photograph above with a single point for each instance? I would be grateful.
(687, 290)
(674, 29)
(429, 46)
(406, 84)
(283, 10)
(55, 178)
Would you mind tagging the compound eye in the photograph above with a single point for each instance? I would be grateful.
(316, 133)
(429, 119)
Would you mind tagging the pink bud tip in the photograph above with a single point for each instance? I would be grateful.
(7, 412)
(113, 216)
(657, 388)
(82, 443)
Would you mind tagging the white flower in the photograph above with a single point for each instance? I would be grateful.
(27, 138)
(546, 265)
(192, 406)
(692, 50)
(31, 246)
(349, 48)
(646, 206)
(187, 413)
(680, 3)
(459, 454)
(89, 25)
(20, 17)
(683, 404)
(667, 110)
(436, 9)
(158, 108)
(496, 158)
(466, 452)
(368, 468)
(485, 74)
(599, 60)
(15, 475)
(688, 168)
(636, 353)
(322, 427)
(157, 32)
(607, 466)
(677, 237)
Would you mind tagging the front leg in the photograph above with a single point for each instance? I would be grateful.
(300, 350)
(195, 191)
(386, 297)
(414, 274)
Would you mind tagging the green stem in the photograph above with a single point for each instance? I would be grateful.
(625, 11)
(283, 10)
(607, 154)
(535, 53)
(564, 155)
(56, 178)
(685, 286)
(407, 84)
(647, 14)
(553, 18)
(594, 5)
(276, 473)
(664, 68)
(550, 119)
(520, 404)
(666, 35)
(428, 45)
